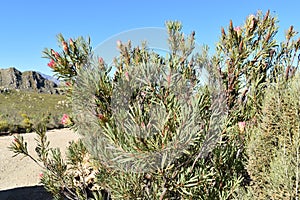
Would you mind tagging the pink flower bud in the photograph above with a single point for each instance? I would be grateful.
(52, 64)
(251, 21)
(127, 76)
(251, 17)
(238, 30)
(57, 56)
(101, 61)
(119, 44)
(100, 116)
(169, 79)
(223, 32)
(242, 126)
(65, 46)
(65, 120)
(17, 142)
(41, 175)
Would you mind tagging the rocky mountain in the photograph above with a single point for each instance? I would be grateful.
(11, 78)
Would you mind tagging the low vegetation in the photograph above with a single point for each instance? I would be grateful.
(20, 110)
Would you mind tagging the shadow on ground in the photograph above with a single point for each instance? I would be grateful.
(25, 193)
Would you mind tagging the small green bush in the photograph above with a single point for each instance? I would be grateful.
(26, 123)
(4, 125)
(273, 146)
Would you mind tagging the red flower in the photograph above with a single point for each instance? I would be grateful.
(65, 120)
(52, 64)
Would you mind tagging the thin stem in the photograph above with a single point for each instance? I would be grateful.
(32, 158)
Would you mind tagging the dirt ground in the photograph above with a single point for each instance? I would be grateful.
(16, 172)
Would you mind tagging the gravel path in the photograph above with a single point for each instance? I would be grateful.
(20, 172)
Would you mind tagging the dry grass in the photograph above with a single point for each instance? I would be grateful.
(19, 110)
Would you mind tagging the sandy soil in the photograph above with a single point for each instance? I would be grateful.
(19, 171)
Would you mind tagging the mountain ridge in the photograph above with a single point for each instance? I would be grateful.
(12, 78)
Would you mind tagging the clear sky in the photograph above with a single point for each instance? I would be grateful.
(28, 26)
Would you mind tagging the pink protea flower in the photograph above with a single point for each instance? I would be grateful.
(238, 30)
(242, 126)
(52, 64)
(65, 120)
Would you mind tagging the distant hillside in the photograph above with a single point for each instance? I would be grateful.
(29, 81)
(50, 78)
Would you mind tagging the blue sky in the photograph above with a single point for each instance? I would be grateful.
(27, 27)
